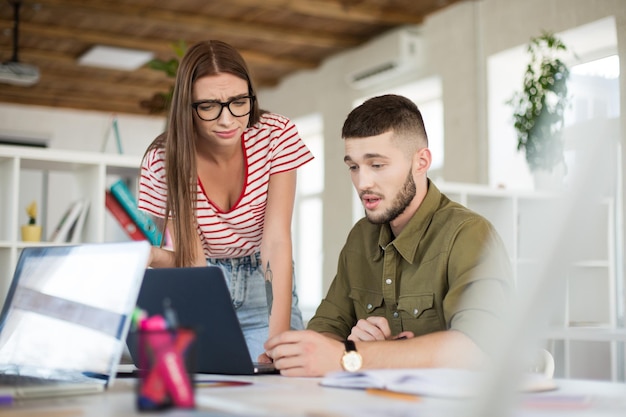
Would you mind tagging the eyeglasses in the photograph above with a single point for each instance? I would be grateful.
(209, 110)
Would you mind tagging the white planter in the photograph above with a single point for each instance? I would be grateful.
(554, 180)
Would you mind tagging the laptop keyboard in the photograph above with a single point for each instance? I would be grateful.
(13, 380)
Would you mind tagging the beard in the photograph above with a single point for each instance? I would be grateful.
(401, 201)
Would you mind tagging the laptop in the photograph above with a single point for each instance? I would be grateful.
(201, 300)
(65, 317)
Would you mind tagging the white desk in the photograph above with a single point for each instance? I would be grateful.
(280, 396)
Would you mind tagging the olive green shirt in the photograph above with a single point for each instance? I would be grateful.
(447, 269)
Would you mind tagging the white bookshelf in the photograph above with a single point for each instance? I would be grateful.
(585, 334)
(54, 178)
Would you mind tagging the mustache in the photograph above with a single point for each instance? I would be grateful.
(367, 192)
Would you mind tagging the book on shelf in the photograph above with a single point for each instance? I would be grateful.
(143, 222)
(122, 217)
(67, 226)
(76, 231)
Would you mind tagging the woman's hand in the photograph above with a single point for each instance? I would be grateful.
(263, 358)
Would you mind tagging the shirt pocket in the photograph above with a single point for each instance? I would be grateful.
(419, 315)
(416, 306)
(365, 301)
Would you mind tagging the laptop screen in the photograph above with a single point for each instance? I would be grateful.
(68, 308)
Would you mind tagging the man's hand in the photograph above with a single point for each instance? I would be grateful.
(304, 353)
(375, 328)
(372, 328)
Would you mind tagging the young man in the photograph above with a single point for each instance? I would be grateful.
(418, 267)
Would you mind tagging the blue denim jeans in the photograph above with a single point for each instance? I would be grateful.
(245, 279)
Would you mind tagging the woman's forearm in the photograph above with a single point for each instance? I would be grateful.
(161, 258)
(280, 272)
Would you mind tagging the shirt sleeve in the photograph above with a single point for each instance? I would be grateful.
(288, 149)
(152, 183)
(480, 283)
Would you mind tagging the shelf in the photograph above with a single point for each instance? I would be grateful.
(42, 158)
(588, 333)
(589, 294)
(53, 178)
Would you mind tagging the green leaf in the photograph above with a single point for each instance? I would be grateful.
(161, 100)
(537, 119)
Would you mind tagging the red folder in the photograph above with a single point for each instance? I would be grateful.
(123, 218)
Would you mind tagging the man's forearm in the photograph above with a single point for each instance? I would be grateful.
(444, 349)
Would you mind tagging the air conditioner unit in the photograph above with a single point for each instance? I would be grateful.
(385, 57)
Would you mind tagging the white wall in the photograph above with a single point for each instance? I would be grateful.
(79, 130)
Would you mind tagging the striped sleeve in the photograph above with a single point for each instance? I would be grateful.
(152, 185)
(287, 147)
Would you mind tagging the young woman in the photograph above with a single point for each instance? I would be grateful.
(222, 177)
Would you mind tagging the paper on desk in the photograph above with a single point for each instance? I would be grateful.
(430, 382)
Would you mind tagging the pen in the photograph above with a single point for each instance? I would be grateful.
(170, 314)
(203, 383)
(392, 394)
(137, 317)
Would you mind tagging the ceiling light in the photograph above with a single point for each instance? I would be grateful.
(115, 58)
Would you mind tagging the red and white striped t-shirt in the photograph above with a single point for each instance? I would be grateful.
(271, 146)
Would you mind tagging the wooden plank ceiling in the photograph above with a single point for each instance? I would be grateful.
(276, 37)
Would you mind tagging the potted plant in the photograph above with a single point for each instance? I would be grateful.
(538, 109)
(160, 102)
(31, 232)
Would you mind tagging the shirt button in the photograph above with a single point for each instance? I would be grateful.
(388, 281)
(369, 306)
(415, 311)
(396, 314)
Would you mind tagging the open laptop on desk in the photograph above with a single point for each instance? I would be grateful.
(201, 300)
(65, 317)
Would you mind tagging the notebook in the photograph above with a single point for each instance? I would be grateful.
(66, 316)
(201, 300)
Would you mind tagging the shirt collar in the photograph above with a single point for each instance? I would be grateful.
(408, 240)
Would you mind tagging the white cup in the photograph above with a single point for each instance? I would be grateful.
(543, 364)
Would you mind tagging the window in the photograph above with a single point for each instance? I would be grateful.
(594, 283)
(307, 224)
(593, 86)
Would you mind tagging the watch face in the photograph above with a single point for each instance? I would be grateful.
(351, 361)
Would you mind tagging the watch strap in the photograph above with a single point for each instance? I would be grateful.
(350, 345)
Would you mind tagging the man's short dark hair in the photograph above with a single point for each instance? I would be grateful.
(385, 113)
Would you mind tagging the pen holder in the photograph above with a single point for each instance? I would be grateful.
(166, 368)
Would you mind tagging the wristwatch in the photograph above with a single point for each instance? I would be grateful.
(351, 360)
